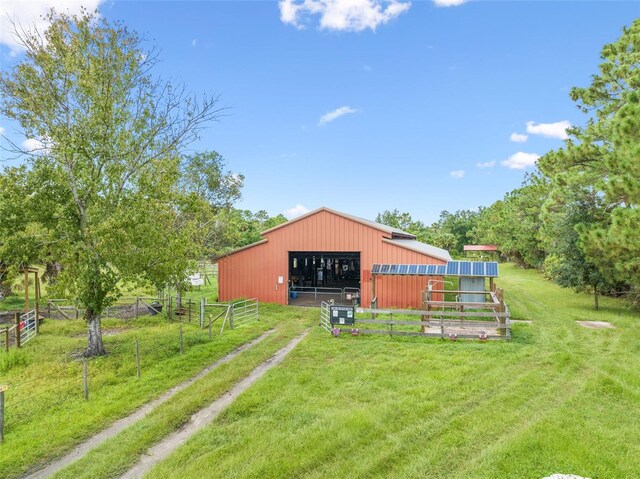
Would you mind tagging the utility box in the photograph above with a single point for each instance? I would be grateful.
(472, 283)
(343, 315)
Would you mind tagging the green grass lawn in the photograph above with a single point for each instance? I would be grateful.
(558, 398)
(46, 413)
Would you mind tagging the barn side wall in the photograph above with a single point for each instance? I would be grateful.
(254, 272)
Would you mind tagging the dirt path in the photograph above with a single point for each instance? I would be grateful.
(203, 417)
(121, 424)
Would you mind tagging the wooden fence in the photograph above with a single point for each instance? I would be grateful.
(441, 319)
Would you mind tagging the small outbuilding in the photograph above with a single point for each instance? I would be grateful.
(326, 254)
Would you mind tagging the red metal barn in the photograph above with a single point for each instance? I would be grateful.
(325, 251)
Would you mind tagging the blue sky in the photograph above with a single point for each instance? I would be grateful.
(364, 106)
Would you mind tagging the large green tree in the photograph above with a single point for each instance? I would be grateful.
(103, 195)
(514, 223)
(602, 159)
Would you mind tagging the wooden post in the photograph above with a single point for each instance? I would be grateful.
(37, 288)
(373, 295)
(2, 390)
(17, 319)
(6, 339)
(189, 306)
(137, 306)
(85, 380)
(203, 302)
(26, 290)
(210, 333)
(231, 315)
(137, 358)
(180, 338)
(501, 309)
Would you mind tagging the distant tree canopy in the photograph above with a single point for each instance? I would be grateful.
(451, 232)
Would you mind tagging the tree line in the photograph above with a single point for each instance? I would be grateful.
(576, 217)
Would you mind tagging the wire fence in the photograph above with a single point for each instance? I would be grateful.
(78, 379)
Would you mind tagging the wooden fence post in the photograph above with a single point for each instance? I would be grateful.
(16, 316)
(6, 340)
(181, 338)
(137, 358)
(203, 302)
(189, 306)
(85, 380)
(2, 390)
(501, 309)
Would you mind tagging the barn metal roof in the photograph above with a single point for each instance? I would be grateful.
(394, 232)
(486, 269)
(480, 247)
(419, 247)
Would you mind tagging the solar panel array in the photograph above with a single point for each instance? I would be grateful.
(452, 268)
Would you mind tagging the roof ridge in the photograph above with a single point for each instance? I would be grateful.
(372, 224)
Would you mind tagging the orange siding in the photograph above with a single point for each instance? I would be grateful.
(254, 272)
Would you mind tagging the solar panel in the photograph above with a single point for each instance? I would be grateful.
(394, 269)
(403, 269)
(413, 269)
(422, 269)
(465, 268)
(431, 269)
(452, 268)
(441, 269)
(384, 269)
(478, 269)
(492, 269)
(375, 269)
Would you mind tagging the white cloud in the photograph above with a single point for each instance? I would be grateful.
(518, 137)
(2, 130)
(457, 173)
(449, 3)
(337, 113)
(297, 210)
(35, 146)
(28, 14)
(486, 164)
(367, 68)
(521, 160)
(342, 15)
(194, 42)
(551, 130)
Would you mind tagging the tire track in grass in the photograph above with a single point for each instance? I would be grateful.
(82, 449)
(202, 418)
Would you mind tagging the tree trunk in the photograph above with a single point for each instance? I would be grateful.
(94, 346)
(595, 297)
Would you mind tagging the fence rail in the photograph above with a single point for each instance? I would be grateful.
(325, 316)
(440, 319)
(28, 326)
(244, 312)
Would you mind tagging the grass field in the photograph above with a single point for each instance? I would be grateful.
(557, 398)
(46, 413)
